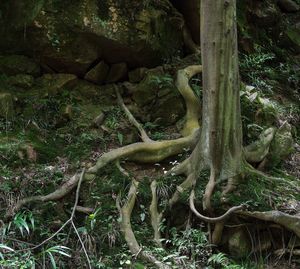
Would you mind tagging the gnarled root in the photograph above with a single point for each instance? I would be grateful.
(193, 105)
(147, 152)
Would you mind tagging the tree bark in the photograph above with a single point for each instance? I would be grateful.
(221, 137)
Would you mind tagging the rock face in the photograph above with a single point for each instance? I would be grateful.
(69, 36)
(98, 74)
(288, 5)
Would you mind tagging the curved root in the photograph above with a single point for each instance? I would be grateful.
(212, 220)
(193, 106)
(61, 192)
(146, 152)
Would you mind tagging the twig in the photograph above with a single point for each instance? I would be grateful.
(70, 220)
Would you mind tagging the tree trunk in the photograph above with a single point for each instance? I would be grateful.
(221, 137)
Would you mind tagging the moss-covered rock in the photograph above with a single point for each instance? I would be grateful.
(6, 105)
(51, 84)
(146, 91)
(239, 244)
(70, 35)
(293, 38)
(168, 109)
(282, 145)
(98, 73)
(18, 64)
(21, 81)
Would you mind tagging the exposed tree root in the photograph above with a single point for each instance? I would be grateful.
(150, 151)
(252, 171)
(147, 152)
(217, 233)
(212, 220)
(156, 217)
(131, 118)
(209, 189)
(125, 213)
(193, 105)
(289, 222)
(61, 192)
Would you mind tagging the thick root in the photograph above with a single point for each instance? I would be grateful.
(147, 152)
(289, 222)
(209, 189)
(193, 105)
(125, 214)
(155, 215)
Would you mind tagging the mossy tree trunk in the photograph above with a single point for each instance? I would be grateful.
(221, 137)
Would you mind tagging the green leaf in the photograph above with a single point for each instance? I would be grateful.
(52, 260)
(6, 247)
(120, 138)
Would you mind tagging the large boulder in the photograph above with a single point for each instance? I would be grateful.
(70, 36)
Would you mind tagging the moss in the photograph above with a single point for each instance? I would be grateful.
(294, 37)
